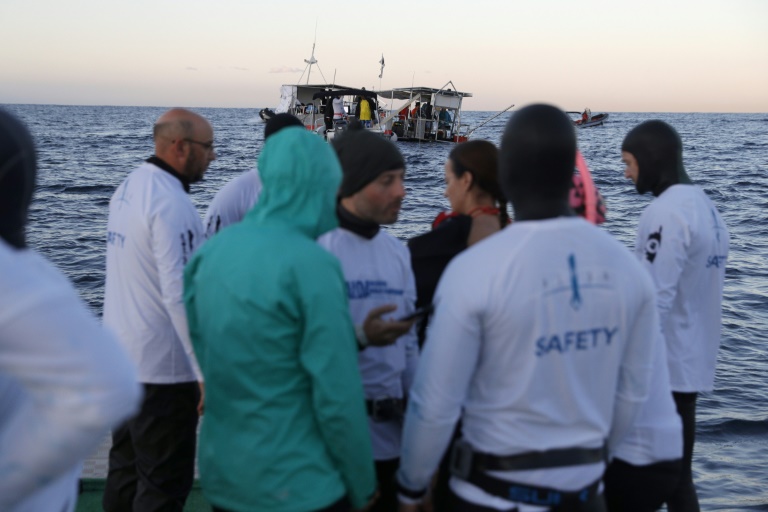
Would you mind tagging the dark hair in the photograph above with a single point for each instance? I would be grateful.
(480, 158)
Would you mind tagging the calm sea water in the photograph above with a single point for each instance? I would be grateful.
(85, 152)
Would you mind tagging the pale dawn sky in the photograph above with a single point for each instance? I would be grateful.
(652, 56)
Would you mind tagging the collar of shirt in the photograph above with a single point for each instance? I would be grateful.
(154, 160)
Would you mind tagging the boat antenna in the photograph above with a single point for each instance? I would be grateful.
(312, 60)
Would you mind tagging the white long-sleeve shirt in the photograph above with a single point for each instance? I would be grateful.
(683, 242)
(656, 434)
(377, 272)
(64, 382)
(153, 229)
(541, 336)
(232, 202)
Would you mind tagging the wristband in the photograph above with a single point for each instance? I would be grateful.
(410, 493)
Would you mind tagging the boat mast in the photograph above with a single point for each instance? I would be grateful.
(312, 60)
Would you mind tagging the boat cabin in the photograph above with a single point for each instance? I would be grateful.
(426, 114)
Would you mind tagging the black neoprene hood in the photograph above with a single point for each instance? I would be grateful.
(659, 153)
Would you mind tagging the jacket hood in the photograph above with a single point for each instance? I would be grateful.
(659, 153)
(18, 170)
(301, 176)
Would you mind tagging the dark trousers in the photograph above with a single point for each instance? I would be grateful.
(630, 488)
(684, 499)
(152, 460)
(385, 476)
(459, 504)
(340, 506)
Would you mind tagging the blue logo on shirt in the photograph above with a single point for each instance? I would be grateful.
(360, 289)
(716, 261)
(575, 297)
(575, 340)
(116, 239)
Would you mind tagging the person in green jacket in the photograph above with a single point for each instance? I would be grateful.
(285, 425)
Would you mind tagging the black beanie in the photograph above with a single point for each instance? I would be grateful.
(364, 155)
(18, 169)
(279, 122)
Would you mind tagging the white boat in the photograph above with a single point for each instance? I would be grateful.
(437, 118)
(311, 103)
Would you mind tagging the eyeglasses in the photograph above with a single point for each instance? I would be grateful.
(208, 146)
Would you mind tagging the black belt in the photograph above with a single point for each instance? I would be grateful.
(386, 409)
(472, 466)
(463, 455)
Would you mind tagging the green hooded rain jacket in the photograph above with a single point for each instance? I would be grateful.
(285, 427)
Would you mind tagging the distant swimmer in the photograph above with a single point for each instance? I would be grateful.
(240, 194)
(683, 242)
(64, 380)
(154, 229)
(537, 418)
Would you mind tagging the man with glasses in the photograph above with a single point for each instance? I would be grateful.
(152, 231)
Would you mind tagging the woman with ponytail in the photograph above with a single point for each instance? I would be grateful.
(478, 210)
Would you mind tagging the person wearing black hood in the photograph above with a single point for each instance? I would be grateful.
(377, 270)
(64, 380)
(683, 242)
(539, 344)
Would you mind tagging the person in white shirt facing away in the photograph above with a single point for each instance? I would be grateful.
(539, 343)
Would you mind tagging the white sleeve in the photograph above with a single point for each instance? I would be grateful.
(662, 245)
(636, 369)
(411, 339)
(77, 383)
(442, 381)
(175, 235)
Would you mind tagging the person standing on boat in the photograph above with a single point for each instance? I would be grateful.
(237, 197)
(328, 110)
(444, 119)
(683, 242)
(380, 282)
(338, 108)
(365, 111)
(152, 231)
(416, 111)
(64, 380)
(539, 343)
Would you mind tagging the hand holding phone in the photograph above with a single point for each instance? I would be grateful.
(419, 313)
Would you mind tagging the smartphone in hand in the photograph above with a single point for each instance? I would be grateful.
(419, 313)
